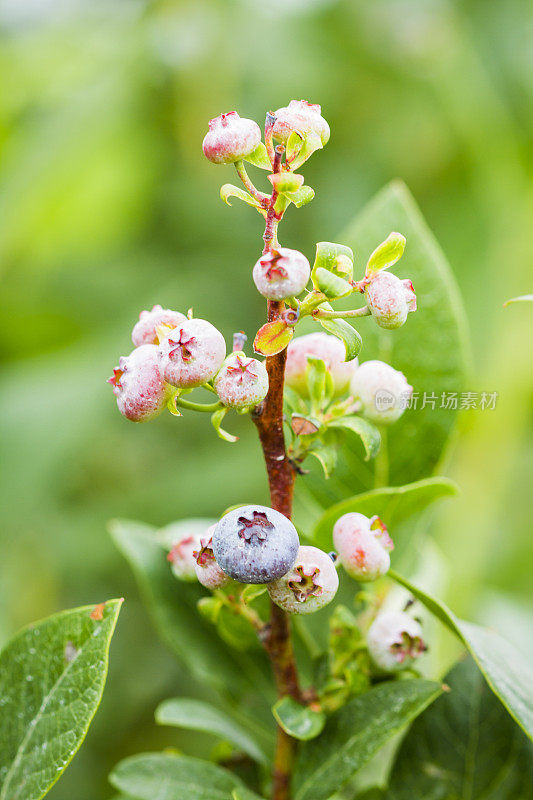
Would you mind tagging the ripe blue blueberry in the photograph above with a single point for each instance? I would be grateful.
(255, 544)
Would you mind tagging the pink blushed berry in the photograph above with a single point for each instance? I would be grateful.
(318, 345)
(145, 331)
(382, 391)
(191, 354)
(309, 585)
(300, 116)
(242, 382)
(183, 544)
(281, 273)
(208, 571)
(390, 299)
(230, 138)
(363, 546)
(394, 641)
(138, 386)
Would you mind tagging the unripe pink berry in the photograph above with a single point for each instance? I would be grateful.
(382, 391)
(145, 331)
(208, 572)
(281, 273)
(318, 345)
(192, 353)
(309, 585)
(301, 116)
(138, 386)
(183, 540)
(363, 546)
(230, 138)
(395, 641)
(241, 381)
(390, 299)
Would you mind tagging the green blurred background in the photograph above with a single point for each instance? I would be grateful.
(107, 206)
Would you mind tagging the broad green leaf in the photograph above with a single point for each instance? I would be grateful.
(273, 337)
(301, 197)
(430, 349)
(182, 712)
(297, 720)
(345, 332)
(331, 285)
(368, 433)
(386, 254)
(229, 190)
(394, 505)
(524, 298)
(259, 157)
(173, 606)
(52, 676)
(354, 733)
(166, 776)
(506, 670)
(464, 746)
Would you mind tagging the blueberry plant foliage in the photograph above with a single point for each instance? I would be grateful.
(307, 643)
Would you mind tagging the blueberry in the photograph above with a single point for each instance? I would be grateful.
(255, 544)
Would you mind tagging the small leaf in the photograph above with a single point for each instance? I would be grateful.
(243, 793)
(386, 254)
(293, 146)
(354, 733)
(303, 196)
(252, 591)
(506, 670)
(273, 337)
(182, 712)
(331, 285)
(521, 299)
(259, 157)
(311, 143)
(315, 374)
(368, 433)
(216, 421)
(284, 182)
(228, 190)
(209, 607)
(335, 258)
(297, 720)
(343, 331)
(304, 426)
(326, 455)
(52, 677)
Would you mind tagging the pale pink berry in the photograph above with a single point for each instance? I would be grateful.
(145, 331)
(241, 381)
(318, 345)
(363, 546)
(394, 641)
(383, 392)
(300, 116)
(138, 386)
(183, 539)
(281, 273)
(309, 585)
(390, 299)
(230, 138)
(192, 353)
(208, 571)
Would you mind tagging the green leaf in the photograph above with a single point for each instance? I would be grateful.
(506, 670)
(315, 375)
(395, 505)
(464, 746)
(311, 143)
(229, 190)
(368, 433)
(166, 776)
(331, 285)
(286, 182)
(354, 733)
(343, 331)
(303, 196)
(335, 258)
(173, 608)
(216, 422)
(386, 254)
(523, 298)
(326, 455)
(182, 712)
(52, 676)
(259, 157)
(273, 337)
(243, 793)
(293, 146)
(297, 720)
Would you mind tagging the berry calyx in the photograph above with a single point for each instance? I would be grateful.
(137, 384)
(192, 353)
(381, 390)
(300, 116)
(241, 382)
(208, 571)
(230, 138)
(363, 546)
(255, 544)
(145, 330)
(318, 345)
(309, 585)
(281, 273)
(394, 641)
(390, 299)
